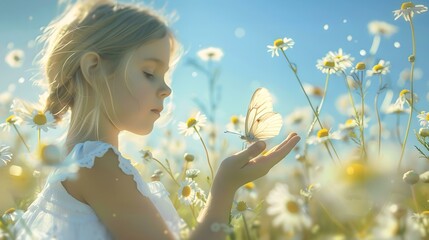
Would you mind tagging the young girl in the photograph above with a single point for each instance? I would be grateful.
(106, 62)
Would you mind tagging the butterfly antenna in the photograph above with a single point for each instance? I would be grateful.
(232, 132)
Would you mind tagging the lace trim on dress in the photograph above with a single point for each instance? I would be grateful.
(84, 154)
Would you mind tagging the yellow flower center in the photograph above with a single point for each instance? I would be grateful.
(427, 116)
(360, 66)
(403, 92)
(40, 119)
(425, 213)
(11, 119)
(350, 122)
(16, 58)
(249, 185)
(322, 133)
(9, 211)
(406, 5)
(377, 68)
(186, 191)
(234, 120)
(191, 122)
(292, 207)
(317, 91)
(329, 64)
(356, 172)
(278, 42)
(241, 206)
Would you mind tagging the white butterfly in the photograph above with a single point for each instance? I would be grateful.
(261, 122)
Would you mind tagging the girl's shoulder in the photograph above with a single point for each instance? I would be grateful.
(92, 160)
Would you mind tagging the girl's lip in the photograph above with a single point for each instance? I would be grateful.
(156, 111)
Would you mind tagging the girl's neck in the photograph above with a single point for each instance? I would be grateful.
(107, 133)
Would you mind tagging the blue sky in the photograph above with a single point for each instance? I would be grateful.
(246, 64)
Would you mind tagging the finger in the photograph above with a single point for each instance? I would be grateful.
(283, 150)
(281, 144)
(254, 150)
(279, 153)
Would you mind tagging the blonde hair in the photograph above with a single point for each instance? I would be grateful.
(109, 29)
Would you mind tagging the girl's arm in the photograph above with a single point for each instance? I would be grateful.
(128, 214)
(235, 171)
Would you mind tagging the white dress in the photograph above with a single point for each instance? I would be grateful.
(55, 214)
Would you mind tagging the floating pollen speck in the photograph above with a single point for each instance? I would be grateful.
(21, 80)
(397, 45)
(362, 52)
(344, 20)
(349, 38)
(239, 32)
(326, 26)
(194, 74)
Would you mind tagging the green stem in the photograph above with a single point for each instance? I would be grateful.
(319, 109)
(416, 205)
(398, 133)
(412, 94)
(358, 117)
(20, 136)
(246, 227)
(378, 115)
(167, 170)
(311, 105)
(362, 118)
(207, 153)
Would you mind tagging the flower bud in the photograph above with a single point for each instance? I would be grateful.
(411, 177)
(412, 58)
(189, 157)
(424, 132)
(424, 177)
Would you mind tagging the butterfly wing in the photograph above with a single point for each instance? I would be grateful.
(261, 122)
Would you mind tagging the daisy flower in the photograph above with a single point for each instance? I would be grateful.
(15, 58)
(200, 197)
(280, 44)
(423, 118)
(40, 120)
(408, 9)
(421, 222)
(310, 190)
(313, 90)
(405, 97)
(360, 66)
(236, 123)
(11, 120)
(5, 155)
(342, 60)
(192, 173)
(381, 67)
(381, 28)
(210, 53)
(298, 116)
(396, 108)
(146, 155)
(287, 209)
(193, 123)
(327, 65)
(239, 209)
(323, 135)
(187, 191)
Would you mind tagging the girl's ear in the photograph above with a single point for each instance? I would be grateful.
(89, 64)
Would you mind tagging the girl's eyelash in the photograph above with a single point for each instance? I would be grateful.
(149, 75)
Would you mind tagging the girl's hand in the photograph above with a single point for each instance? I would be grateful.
(248, 165)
